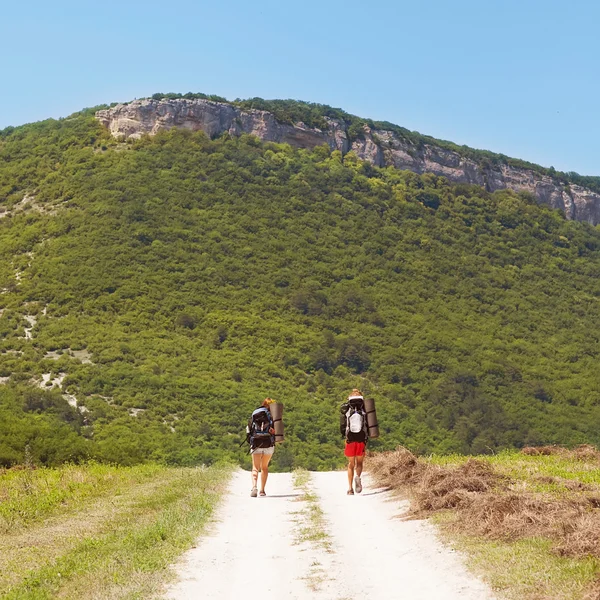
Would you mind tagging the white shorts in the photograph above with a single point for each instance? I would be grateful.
(265, 451)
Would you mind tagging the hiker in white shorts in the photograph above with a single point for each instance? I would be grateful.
(262, 445)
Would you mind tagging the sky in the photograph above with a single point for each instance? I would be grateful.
(517, 77)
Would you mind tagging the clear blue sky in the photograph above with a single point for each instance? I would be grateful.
(518, 77)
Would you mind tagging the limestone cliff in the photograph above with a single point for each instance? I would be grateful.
(380, 147)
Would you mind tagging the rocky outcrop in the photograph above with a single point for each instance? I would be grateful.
(379, 147)
(214, 118)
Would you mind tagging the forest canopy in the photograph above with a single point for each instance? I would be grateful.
(153, 292)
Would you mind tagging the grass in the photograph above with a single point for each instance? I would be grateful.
(529, 521)
(100, 531)
(553, 474)
(529, 569)
(312, 528)
(30, 495)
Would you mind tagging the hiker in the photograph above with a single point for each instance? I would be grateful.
(353, 427)
(261, 436)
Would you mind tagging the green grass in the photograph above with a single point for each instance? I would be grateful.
(527, 470)
(528, 569)
(118, 543)
(312, 528)
(301, 478)
(313, 525)
(31, 495)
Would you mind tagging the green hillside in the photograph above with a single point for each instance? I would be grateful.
(176, 281)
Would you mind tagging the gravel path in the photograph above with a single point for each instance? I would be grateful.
(371, 556)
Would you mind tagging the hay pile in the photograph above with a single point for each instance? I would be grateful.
(491, 505)
(585, 452)
(433, 487)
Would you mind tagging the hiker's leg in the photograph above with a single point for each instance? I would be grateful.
(351, 462)
(264, 470)
(359, 464)
(256, 459)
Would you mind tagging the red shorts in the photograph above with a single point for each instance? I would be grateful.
(354, 449)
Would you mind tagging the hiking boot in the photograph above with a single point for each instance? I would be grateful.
(254, 493)
(357, 485)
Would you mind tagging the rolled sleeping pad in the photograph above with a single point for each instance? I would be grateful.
(277, 414)
(372, 423)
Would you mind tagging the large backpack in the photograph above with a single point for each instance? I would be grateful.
(356, 417)
(258, 429)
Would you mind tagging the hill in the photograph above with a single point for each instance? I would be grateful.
(154, 291)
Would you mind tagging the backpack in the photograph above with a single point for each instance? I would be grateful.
(258, 429)
(356, 421)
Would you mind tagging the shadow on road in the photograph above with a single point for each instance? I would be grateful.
(381, 491)
(283, 495)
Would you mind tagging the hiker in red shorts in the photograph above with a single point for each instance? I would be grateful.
(353, 426)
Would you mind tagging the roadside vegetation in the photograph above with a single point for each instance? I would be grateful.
(529, 520)
(314, 527)
(97, 531)
(312, 530)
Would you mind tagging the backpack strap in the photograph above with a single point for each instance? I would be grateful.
(343, 410)
(365, 424)
(351, 410)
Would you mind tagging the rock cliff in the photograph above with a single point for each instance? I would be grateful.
(378, 146)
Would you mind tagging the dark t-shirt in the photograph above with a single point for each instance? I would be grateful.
(361, 436)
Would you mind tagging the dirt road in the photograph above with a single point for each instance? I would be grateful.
(268, 548)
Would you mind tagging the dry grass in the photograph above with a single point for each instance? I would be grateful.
(499, 502)
(593, 592)
(583, 452)
(434, 487)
